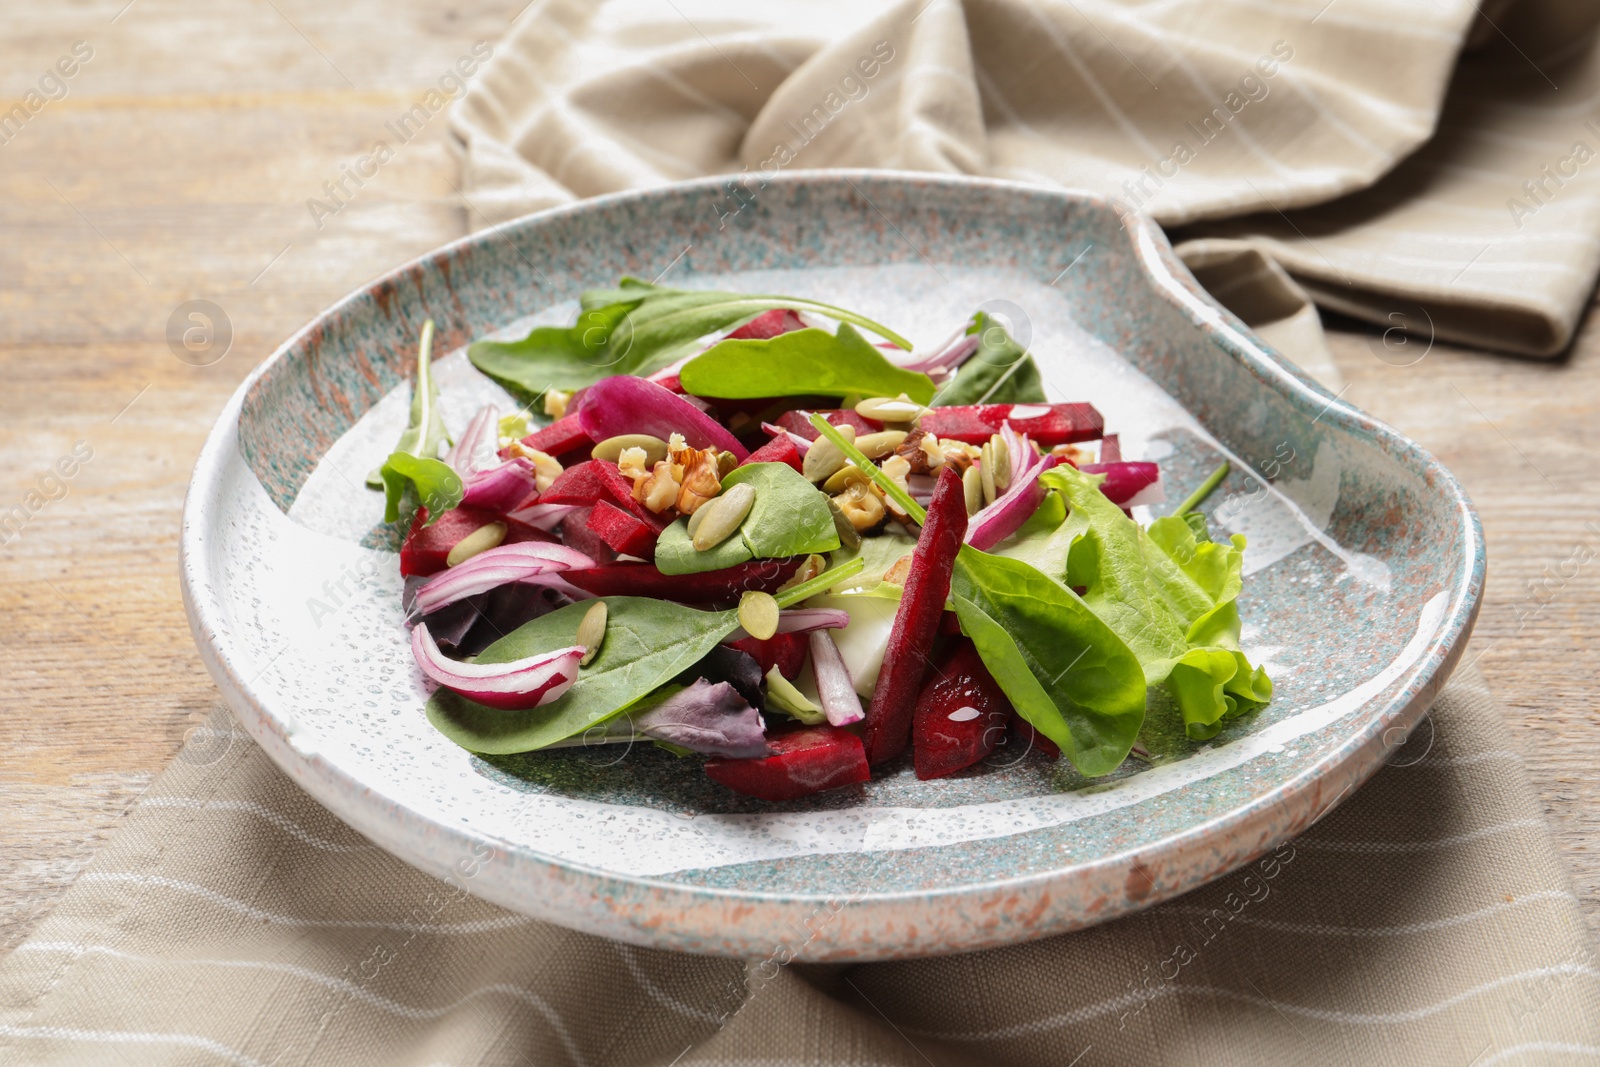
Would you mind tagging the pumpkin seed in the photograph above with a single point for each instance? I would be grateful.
(655, 449)
(886, 409)
(758, 614)
(880, 444)
(480, 540)
(723, 516)
(592, 631)
(849, 538)
(1002, 463)
(986, 473)
(972, 489)
(823, 458)
(844, 478)
(809, 568)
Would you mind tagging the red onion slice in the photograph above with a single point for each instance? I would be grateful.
(515, 686)
(1001, 519)
(521, 562)
(835, 689)
(624, 404)
(1129, 482)
(501, 488)
(801, 621)
(478, 443)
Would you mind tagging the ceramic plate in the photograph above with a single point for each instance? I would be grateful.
(1363, 576)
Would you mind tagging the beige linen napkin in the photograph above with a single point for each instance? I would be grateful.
(1457, 200)
(233, 920)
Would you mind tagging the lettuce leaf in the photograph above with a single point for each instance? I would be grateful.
(1171, 596)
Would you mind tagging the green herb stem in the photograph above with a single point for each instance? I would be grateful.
(1198, 497)
(821, 583)
(890, 487)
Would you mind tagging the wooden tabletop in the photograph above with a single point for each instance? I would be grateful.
(177, 167)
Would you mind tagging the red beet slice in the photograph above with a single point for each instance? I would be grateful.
(1124, 479)
(642, 579)
(1032, 738)
(768, 324)
(1110, 448)
(622, 530)
(787, 652)
(576, 534)
(426, 547)
(1046, 424)
(916, 622)
(778, 450)
(961, 714)
(562, 436)
(803, 762)
(800, 422)
(595, 480)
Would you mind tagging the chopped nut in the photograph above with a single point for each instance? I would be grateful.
(848, 537)
(722, 517)
(823, 458)
(897, 468)
(810, 567)
(861, 505)
(676, 443)
(758, 614)
(634, 463)
(880, 444)
(885, 409)
(922, 451)
(655, 449)
(1073, 454)
(972, 488)
(546, 468)
(592, 631)
(699, 481)
(555, 403)
(480, 540)
(959, 453)
(658, 491)
(899, 571)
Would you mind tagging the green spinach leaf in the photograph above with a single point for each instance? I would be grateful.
(438, 486)
(807, 362)
(1172, 597)
(648, 642)
(636, 328)
(1064, 669)
(999, 372)
(789, 517)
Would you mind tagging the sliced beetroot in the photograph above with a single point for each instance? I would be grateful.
(576, 534)
(787, 652)
(803, 762)
(642, 579)
(916, 621)
(1126, 480)
(961, 714)
(1110, 448)
(564, 435)
(426, 547)
(1046, 424)
(1032, 738)
(778, 450)
(767, 325)
(623, 531)
(594, 480)
(799, 422)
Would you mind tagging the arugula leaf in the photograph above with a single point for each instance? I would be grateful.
(1172, 597)
(789, 517)
(438, 486)
(1064, 669)
(636, 328)
(648, 642)
(999, 372)
(425, 431)
(808, 362)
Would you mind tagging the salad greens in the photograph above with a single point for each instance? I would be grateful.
(789, 517)
(414, 460)
(1000, 372)
(807, 362)
(636, 328)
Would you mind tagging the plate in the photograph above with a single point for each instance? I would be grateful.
(1364, 572)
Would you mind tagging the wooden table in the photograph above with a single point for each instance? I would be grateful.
(178, 167)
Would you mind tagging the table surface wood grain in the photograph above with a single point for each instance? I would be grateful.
(178, 167)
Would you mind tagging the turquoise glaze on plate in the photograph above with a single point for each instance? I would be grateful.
(1366, 563)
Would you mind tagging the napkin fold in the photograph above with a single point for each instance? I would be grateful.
(234, 920)
(1422, 164)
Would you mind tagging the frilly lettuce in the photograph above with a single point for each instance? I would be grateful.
(1169, 592)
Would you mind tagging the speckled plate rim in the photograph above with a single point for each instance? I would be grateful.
(875, 925)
